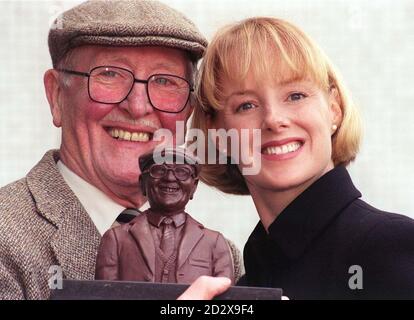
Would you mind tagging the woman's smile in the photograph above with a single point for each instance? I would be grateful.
(282, 149)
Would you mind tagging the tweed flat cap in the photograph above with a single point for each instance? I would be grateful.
(124, 23)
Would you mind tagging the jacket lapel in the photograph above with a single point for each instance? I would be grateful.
(193, 232)
(141, 233)
(76, 240)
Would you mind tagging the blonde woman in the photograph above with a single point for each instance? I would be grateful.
(315, 238)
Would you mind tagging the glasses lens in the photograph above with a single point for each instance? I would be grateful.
(182, 173)
(168, 93)
(110, 84)
(157, 171)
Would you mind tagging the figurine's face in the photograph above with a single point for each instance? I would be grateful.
(169, 187)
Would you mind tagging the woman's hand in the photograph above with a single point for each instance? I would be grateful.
(206, 288)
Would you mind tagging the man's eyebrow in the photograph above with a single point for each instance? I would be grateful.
(166, 65)
(119, 58)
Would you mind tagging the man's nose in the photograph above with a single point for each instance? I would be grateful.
(169, 175)
(137, 103)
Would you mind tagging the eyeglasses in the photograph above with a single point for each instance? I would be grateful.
(112, 85)
(158, 171)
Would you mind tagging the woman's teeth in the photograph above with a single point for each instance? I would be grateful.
(129, 136)
(279, 150)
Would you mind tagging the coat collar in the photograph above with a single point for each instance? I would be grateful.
(193, 232)
(156, 218)
(310, 213)
(141, 232)
(76, 240)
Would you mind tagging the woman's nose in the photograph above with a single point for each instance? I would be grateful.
(275, 118)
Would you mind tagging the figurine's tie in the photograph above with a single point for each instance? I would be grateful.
(168, 237)
(127, 215)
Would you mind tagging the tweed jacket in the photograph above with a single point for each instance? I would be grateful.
(44, 226)
(128, 252)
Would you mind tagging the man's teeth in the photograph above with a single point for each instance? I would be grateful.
(287, 148)
(167, 189)
(129, 136)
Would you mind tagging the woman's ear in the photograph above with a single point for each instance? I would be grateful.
(53, 91)
(335, 107)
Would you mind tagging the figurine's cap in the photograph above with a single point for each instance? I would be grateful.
(124, 23)
(169, 156)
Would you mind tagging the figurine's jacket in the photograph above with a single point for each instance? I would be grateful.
(128, 252)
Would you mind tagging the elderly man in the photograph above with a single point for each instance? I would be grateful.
(121, 70)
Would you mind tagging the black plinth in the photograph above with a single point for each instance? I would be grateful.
(123, 290)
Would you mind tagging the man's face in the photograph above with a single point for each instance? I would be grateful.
(169, 187)
(89, 129)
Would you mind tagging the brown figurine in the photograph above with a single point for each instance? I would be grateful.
(164, 243)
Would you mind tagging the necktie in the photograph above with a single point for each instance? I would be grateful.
(127, 215)
(168, 237)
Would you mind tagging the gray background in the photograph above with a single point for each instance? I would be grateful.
(372, 43)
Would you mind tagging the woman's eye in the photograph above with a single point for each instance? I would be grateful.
(296, 96)
(245, 107)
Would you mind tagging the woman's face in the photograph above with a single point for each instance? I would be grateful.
(296, 121)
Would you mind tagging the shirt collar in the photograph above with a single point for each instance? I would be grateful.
(102, 210)
(155, 218)
(306, 217)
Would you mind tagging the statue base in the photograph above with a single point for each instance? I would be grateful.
(125, 290)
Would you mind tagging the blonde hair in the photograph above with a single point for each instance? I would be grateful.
(270, 48)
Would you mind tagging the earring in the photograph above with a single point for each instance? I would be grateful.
(334, 127)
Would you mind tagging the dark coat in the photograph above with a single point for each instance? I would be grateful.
(313, 244)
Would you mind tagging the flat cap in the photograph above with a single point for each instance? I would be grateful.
(169, 156)
(124, 23)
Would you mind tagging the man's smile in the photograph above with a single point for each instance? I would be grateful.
(125, 135)
(169, 188)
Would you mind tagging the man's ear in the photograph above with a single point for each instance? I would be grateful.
(335, 107)
(194, 188)
(53, 92)
(190, 108)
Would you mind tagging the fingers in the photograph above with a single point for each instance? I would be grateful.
(206, 288)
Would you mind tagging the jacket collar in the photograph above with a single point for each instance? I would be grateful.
(192, 234)
(76, 240)
(156, 218)
(310, 213)
(141, 232)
